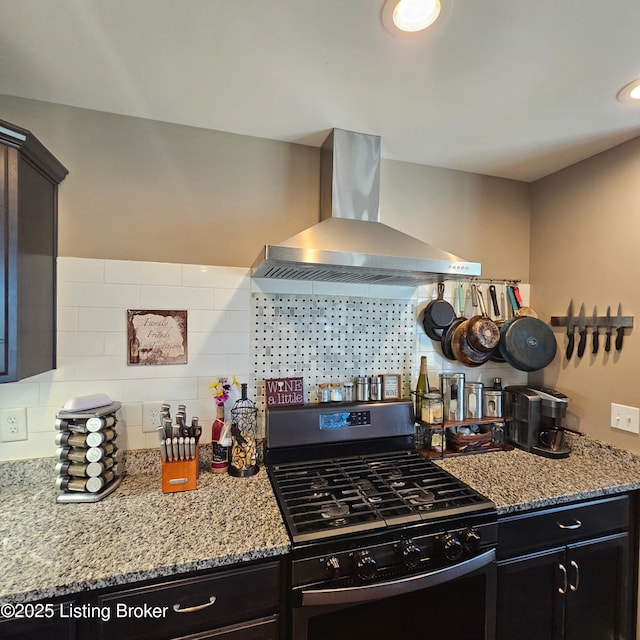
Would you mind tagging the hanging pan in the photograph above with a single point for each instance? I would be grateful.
(527, 344)
(439, 313)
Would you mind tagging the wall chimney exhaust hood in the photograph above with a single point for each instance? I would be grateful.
(350, 244)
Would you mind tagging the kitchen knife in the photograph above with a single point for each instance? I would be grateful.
(596, 335)
(582, 330)
(607, 344)
(619, 328)
(570, 331)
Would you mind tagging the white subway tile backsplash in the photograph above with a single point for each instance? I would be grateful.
(115, 343)
(175, 298)
(232, 299)
(153, 273)
(150, 390)
(218, 343)
(80, 270)
(101, 319)
(67, 319)
(88, 343)
(20, 394)
(83, 294)
(194, 275)
(204, 320)
(55, 394)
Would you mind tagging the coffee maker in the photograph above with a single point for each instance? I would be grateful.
(536, 413)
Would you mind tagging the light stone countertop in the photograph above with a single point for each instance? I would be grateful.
(517, 481)
(138, 533)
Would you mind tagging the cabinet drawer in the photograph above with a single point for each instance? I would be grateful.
(263, 629)
(181, 607)
(544, 529)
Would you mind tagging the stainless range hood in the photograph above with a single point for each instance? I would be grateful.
(350, 244)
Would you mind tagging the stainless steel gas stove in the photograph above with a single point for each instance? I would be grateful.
(374, 525)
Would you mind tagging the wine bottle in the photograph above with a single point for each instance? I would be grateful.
(422, 387)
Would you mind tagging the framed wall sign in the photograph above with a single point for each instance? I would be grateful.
(156, 337)
(391, 388)
(284, 392)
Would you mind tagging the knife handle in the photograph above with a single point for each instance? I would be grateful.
(620, 331)
(570, 345)
(596, 341)
(607, 343)
(583, 343)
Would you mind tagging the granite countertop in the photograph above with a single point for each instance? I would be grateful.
(518, 481)
(138, 533)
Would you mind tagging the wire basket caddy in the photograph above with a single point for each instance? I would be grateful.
(244, 428)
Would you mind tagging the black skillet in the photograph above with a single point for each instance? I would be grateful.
(439, 313)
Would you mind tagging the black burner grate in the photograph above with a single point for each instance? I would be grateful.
(326, 498)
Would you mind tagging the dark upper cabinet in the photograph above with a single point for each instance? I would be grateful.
(29, 179)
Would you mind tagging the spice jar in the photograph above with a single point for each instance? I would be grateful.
(432, 408)
(335, 392)
(323, 389)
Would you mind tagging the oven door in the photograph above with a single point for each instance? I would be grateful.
(449, 604)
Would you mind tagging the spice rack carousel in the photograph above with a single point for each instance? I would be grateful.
(89, 462)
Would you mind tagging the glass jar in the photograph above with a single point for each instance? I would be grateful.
(432, 410)
(335, 392)
(323, 392)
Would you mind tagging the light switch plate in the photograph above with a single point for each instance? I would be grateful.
(625, 418)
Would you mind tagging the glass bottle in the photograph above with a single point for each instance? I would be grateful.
(421, 387)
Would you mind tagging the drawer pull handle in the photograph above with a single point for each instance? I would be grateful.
(563, 570)
(178, 609)
(576, 524)
(576, 584)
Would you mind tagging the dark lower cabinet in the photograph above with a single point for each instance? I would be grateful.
(48, 620)
(568, 588)
(239, 603)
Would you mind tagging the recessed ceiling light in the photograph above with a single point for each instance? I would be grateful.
(409, 16)
(630, 93)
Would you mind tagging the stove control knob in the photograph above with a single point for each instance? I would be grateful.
(470, 540)
(366, 565)
(451, 547)
(409, 551)
(333, 567)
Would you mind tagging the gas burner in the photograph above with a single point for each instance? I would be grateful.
(320, 494)
(422, 499)
(337, 522)
(396, 484)
(395, 473)
(319, 482)
(334, 510)
(364, 484)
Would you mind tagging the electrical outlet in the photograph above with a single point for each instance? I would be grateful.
(13, 424)
(625, 418)
(151, 416)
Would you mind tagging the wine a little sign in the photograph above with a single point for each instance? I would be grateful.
(284, 392)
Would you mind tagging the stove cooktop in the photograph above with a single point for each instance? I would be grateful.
(332, 497)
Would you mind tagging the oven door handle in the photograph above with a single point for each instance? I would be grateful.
(376, 591)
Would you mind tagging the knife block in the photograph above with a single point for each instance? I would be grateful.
(181, 475)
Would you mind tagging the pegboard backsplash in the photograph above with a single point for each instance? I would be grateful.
(330, 338)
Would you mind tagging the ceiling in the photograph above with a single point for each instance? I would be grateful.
(510, 88)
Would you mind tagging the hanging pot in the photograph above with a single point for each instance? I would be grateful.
(439, 313)
(483, 333)
(527, 344)
(463, 351)
(447, 336)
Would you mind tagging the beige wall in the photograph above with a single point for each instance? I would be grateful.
(143, 190)
(585, 245)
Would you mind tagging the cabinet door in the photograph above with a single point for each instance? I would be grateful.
(529, 603)
(597, 603)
